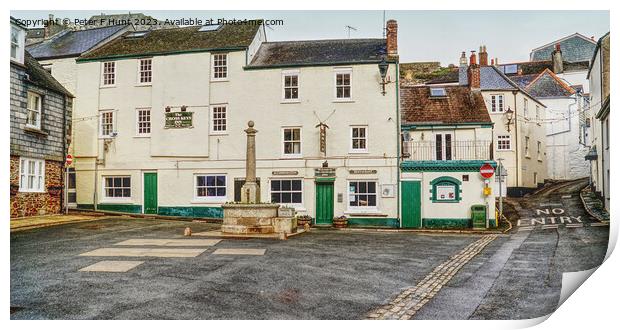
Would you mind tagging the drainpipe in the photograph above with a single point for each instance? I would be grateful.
(65, 150)
(398, 147)
(517, 169)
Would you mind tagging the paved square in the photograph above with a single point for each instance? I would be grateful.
(113, 266)
(250, 252)
(170, 242)
(144, 252)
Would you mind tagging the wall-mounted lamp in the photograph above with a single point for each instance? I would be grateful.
(509, 117)
(383, 69)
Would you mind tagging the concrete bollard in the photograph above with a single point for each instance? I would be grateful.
(188, 232)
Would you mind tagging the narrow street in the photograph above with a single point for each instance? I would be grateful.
(519, 276)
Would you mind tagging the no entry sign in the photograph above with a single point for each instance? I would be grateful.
(486, 171)
(69, 159)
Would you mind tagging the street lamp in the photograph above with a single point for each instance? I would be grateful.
(383, 68)
(509, 117)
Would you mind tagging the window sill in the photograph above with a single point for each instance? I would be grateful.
(144, 85)
(358, 151)
(374, 213)
(32, 191)
(142, 136)
(218, 80)
(217, 201)
(290, 101)
(291, 157)
(218, 133)
(34, 130)
(343, 101)
(106, 86)
(116, 201)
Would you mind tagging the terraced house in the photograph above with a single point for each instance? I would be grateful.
(40, 113)
(160, 117)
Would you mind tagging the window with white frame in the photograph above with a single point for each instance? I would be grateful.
(291, 139)
(31, 175)
(363, 194)
(33, 119)
(218, 119)
(143, 122)
(286, 191)
(117, 186)
(527, 145)
(538, 149)
(146, 71)
(16, 45)
(359, 138)
(503, 142)
(220, 66)
(210, 186)
(106, 123)
(538, 114)
(526, 111)
(497, 103)
(109, 73)
(290, 83)
(343, 83)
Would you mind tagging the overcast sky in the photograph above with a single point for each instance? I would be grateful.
(422, 35)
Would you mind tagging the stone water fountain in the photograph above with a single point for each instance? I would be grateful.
(250, 216)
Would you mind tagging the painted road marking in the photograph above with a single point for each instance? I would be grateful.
(550, 204)
(549, 216)
(550, 227)
(574, 225)
(113, 266)
(171, 242)
(144, 252)
(252, 252)
(527, 228)
(599, 224)
(567, 196)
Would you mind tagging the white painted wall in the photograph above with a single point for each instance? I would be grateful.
(521, 167)
(178, 154)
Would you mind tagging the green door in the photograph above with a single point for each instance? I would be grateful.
(411, 204)
(324, 202)
(150, 193)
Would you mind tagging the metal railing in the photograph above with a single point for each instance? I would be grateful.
(448, 150)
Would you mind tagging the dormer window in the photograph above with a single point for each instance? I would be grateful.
(438, 92)
(17, 45)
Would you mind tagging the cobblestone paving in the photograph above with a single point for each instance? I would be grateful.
(412, 299)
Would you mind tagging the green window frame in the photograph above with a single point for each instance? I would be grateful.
(446, 181)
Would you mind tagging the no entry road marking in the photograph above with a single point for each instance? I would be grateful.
(144, 252)
(113, 266)
(567, 196)
(599, 224)
(171, 242)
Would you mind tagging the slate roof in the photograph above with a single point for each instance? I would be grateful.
(72, 43)
(174, 40)
(40, 77)
(544, 85)
(319, 52)
(460, 105)
(575, 48)
(536, 67)
(492, 79)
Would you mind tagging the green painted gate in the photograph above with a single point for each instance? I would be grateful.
(324, 202)
(150, 193)
(411, 204)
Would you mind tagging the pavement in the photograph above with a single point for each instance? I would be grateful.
(146, 269)
(323, 274)
(25, 223)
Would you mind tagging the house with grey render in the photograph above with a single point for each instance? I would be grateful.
(40, 114)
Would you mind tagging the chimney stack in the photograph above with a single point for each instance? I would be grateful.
(556, 59)
(463, 59)
(473, 72)
(484, 56)
(391, 28)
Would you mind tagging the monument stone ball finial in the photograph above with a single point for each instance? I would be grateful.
(251, 123)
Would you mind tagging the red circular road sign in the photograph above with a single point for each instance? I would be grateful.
(69, 159)
(487, 171)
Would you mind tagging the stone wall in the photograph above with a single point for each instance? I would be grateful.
(30, 204)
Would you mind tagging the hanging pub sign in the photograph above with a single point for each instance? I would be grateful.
(179, 119)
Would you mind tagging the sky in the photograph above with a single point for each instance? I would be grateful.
(422, 35)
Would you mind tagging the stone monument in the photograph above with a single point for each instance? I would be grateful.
(251, 216)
